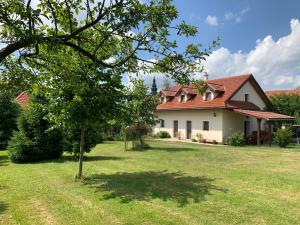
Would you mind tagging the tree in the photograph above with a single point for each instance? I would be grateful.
(288, 104)
(113, 34)
(9, 111)
(141, 107)
(166, 83)
(82, 95)
(35, 138)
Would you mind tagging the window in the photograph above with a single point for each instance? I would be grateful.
(205, 125)
(246, 97)
(208, 96)
(181, 98)
(162, 123)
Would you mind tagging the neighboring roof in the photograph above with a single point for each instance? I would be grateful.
(264, 115)
(287, 92)
(23, 99)
(227, 85)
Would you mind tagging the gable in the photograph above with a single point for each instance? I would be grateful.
(253, 94)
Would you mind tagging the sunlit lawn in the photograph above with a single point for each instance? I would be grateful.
(172, 183)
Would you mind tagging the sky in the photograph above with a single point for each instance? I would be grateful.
(261, 37)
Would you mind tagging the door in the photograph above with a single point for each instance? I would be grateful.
(246, 128)
(175, 128)
(188, 129)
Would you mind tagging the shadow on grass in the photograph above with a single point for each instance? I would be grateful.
(172, 149)
(66, 158)
(144, 186)
(3, 160)
(3, 207)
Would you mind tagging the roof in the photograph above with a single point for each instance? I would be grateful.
(287, 92)
(242, 105)
(226, 86)
(264, 115)
(23, 99)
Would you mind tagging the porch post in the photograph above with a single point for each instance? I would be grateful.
(270, 133)
(258, 131)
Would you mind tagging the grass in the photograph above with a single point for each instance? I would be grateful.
(172, 183)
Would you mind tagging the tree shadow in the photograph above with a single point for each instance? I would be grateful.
(3, 160)
(70, 158)
(172, 149)
(144, 186)
(3, 206)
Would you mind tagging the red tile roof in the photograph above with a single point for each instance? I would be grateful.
(23, 99)
(264, 115)
(278, 92)
(229, 86)
(242, 105)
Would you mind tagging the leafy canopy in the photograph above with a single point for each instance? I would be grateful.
(124, 35)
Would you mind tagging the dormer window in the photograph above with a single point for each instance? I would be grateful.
(208, 96)
(182, 98)
(163, 99)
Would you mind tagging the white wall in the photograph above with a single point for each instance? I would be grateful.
(197, 117)
(247, 88)
(232, 122)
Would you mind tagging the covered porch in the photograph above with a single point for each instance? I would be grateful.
(270, 118)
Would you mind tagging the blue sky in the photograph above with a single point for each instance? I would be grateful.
(250, 19)
(257, 36)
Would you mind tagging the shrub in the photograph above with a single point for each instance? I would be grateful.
(9, 111)
(199, 137)
(136, 133)
(236, 139)
(194, 140)
(163, 134)
(35, 139)
(283, 137)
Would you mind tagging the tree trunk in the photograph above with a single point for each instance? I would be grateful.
(82, 132)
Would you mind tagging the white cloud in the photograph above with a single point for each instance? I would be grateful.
(275, 64)
(237, 17)
(212, 20)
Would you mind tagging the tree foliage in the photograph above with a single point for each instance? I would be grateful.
(9, 111)
(288, 104)
(113, 34)
(35, 138)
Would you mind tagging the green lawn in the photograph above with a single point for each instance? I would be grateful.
(172, 183)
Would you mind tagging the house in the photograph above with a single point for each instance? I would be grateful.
(286, 92)
(23, 99)
(229, 104)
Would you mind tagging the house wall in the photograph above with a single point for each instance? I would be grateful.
(247, 88)
(232, 122)
(197, 117)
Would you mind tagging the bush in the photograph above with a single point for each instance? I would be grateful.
(199, 137)
(283, 137)
(236, 139)
(35, 139)
(163, 134)
(9, 111)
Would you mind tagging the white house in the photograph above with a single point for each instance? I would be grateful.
(229, 104)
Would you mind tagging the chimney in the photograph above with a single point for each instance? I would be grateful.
(205, 76)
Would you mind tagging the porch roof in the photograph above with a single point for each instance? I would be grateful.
(264, 115)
